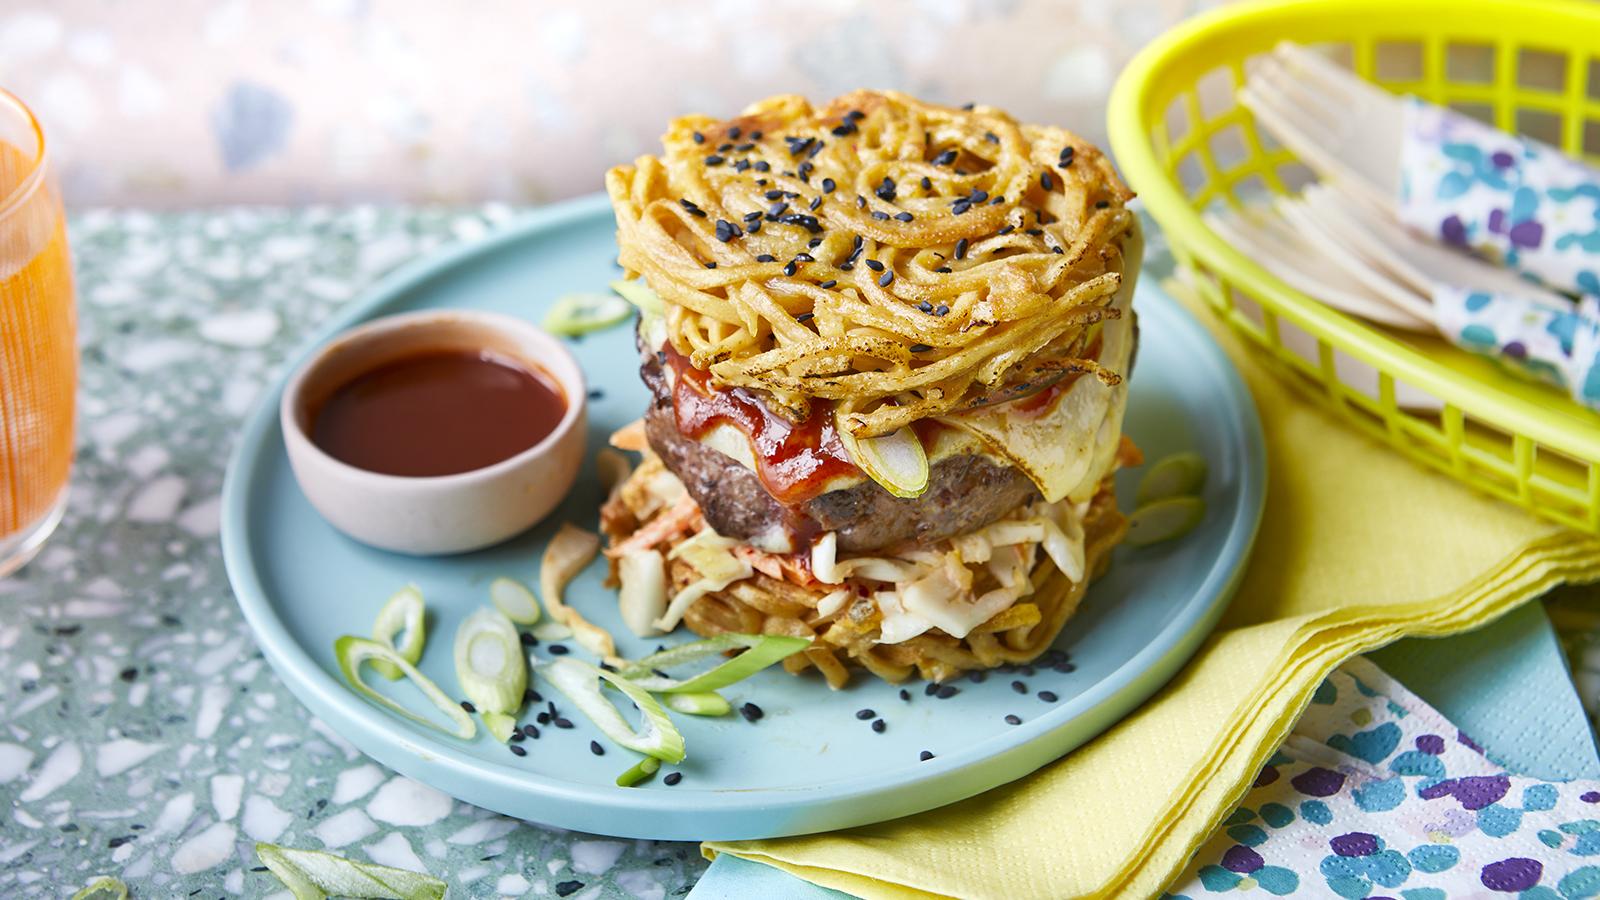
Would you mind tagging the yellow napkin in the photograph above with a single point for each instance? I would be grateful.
(1357, 548)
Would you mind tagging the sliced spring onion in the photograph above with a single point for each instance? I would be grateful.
(1173, 476)
(104, 887)
(1164, 520)
(516, 601)
(489, 663)
(761, 650)
(895, 461)
(314, 875)
(352, 651)
(580, 681)
(579, 314)
(550, 631)
(701, 703)
(640, 770)
(500, 725)
(639, 294)
(402, 613)
(568, 552)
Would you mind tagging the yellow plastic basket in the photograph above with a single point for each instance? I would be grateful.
(1185, 145)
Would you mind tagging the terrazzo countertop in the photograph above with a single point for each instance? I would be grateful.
(143, 734)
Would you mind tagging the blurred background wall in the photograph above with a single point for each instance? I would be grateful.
(195, 102)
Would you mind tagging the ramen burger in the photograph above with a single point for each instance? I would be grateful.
(886, 344)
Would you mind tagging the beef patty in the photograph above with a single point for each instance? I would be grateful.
(965, 492)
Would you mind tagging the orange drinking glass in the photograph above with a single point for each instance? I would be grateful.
(38, 340)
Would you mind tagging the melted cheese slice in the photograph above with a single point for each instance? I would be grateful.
(1070, 447)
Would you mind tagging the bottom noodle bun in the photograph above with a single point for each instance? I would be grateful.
(995, 596)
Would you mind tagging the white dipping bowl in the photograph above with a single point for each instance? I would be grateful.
(434, 515)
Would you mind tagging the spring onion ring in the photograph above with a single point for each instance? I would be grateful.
(640, 770)
(1177, 475)
(402, 612)
(352, 651)
(580, 681)
(761, 650)
(500, 726)
(702, 703)
(489, 663)
(550, 631)
(314, 875)
(104, 887)
(516, 601)
(639, 294)
(1164, 520)
(578, 314)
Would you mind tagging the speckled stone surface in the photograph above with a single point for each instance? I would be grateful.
(141, 733)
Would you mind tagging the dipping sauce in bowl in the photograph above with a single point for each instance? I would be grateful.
(438, 431)
(439, 412)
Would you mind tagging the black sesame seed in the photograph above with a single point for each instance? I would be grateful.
(845, 129)
(816, 202)
(734, 132)
(931, 689)
(727, 231)
(763, 166)
(858, 243)
(517, 737)
(725, 147)
(968, 106)
(751, 712)
(854, 115)
(699, 138)
(527, 639)
(814, 243)
(1013, 720)
(816, 148)
(755, 135)
(903, 216)
(1057, 250)
(805, 171)
(562, 722)
(1046, 182)
(945, 158)
(128, 674)
(773, 194)
(693, 210)
(846, 266)
(753, 227)
(714, 160)
(711, 265)
(753, 215)
(559, 650)
(941, 310)
(531, 730)
(944, 270)
(746, 147)
(925, 306)
(978, 676)
(905, 694)
(886, 279)
(961, 249)
(927, 183)
(978, 195)
(878, 725)
(828, 185)
(804, 257)
(1048, 696)
(989, 136)
(1019, 687)
(1067, 155)
(861, 202)
(542, 718)
(741, 165)
(467, 705)
(864, 714)
(563, 888)
(551, 707)
(1036, 232)
(798, 145)
(947, 691)
(875, 265)
(1065, 667)
(596, 749)
(790, 268)
(778, 209)
(925, 755)
(885, 189)
(1007, 229)
(827, 284)
(806, 317)
(961, 206)
(1101, 204)
(518, 749)
(880, 215)
(766, 257)
(672, 778)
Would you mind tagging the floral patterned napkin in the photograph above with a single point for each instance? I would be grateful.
(1523, 205)
(1377, 795)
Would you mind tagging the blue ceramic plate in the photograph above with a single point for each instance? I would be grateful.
(809, 765)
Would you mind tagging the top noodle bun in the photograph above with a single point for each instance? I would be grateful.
(899, 258)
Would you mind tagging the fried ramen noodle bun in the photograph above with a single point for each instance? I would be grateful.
(887, 371)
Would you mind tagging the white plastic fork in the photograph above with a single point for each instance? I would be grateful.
(1346, 129)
